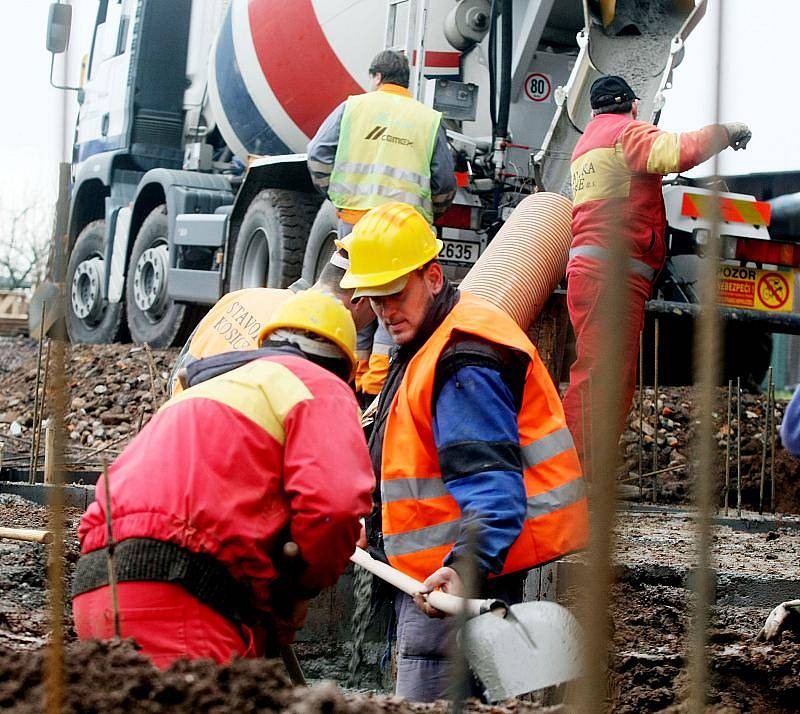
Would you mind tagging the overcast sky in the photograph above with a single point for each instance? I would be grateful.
(759, 87)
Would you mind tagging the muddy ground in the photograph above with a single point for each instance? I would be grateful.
(648, 624)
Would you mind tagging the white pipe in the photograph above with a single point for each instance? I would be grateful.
(451, 604)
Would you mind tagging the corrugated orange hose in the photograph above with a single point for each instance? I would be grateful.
(527, 259)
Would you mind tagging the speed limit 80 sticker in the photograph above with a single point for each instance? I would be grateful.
(538, 87)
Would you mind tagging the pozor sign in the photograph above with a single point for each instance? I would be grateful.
(766, 290)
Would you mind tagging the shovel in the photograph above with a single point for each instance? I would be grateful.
(513, 649)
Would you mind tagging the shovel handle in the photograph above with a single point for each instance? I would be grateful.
(451, 604)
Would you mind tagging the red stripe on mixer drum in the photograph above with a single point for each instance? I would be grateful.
(306, 76)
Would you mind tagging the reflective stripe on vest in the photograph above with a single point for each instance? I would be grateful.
(446, 533)
(386, 141)
(421, 520)
(421, 488)
(595, 251)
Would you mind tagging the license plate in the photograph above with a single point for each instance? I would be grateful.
(462, 252)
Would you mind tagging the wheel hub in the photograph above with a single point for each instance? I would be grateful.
(85, 292)
(150, 281)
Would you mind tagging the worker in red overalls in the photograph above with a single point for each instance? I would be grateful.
(617, 167)
(263, 447)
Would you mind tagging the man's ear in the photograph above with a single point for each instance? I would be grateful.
(434, 278)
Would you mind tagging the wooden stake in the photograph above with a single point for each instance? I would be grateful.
(49, 453)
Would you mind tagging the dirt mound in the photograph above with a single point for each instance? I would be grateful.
(113, 678)
(649, 667)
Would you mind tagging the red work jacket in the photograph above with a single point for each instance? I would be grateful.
(227, 464)
(617, 167)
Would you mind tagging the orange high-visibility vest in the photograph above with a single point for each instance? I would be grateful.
(421, 520)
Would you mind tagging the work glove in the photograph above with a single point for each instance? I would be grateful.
(738, 134)
(786, 615)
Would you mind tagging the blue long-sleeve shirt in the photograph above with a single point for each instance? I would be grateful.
(477, 438)
(790, 427)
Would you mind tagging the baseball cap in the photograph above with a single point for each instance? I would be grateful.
(610, 89)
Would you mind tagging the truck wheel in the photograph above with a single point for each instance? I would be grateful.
(268, 249)
(320, 242)
(90, 318)
(152, 316)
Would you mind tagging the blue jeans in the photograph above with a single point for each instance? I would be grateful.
(425, 644)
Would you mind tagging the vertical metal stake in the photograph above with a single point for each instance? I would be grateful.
(773, 436)
(764, 447)
(739, 447)
(728, 450)
(34, 455)
(656, 415)
(641, 414)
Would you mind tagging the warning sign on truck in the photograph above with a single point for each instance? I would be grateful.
(754, 289)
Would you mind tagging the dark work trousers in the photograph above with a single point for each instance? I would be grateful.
(425, 644)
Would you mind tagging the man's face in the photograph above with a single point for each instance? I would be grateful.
(402, 314)
(361, 310)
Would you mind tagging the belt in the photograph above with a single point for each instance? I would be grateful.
(595, 251)
(146, 559)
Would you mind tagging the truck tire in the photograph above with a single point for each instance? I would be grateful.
(152, 316)
(269, 246)
(320, 242)
(90, 318)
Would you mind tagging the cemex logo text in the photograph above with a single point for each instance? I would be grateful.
(378, 133)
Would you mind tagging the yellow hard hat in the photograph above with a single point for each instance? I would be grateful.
(387, 244)
(319, 313)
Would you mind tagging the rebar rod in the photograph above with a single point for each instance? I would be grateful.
(110, 547)
(706, 366)
(739, 447)
(641, 415)
(728, 449)
(656, 420)
(31, 471)
(764, 448)
(39, 417)
(54, 689)
(772, 437)
(151, 364)
(606, 413)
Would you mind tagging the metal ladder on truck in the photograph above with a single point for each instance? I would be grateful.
(412, 43)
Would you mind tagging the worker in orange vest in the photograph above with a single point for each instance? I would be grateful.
(617, 166)
(235, 321)
(475, 465)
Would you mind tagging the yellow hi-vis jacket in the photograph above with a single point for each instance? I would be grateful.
(386, 141)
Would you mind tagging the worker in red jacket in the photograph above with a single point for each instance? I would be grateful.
(617, 167)
(262, 448)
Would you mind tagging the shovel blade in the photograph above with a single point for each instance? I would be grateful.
(537, 645)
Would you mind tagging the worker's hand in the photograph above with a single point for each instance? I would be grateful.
(787, 614)
(445, 579)
(738, 134)
(287, 624)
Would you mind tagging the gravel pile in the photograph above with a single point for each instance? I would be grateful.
(110, 391)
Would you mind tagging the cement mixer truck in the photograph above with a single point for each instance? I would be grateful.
(188, 177)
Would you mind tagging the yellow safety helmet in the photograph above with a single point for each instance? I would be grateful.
(387, 244)
(319, 313)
